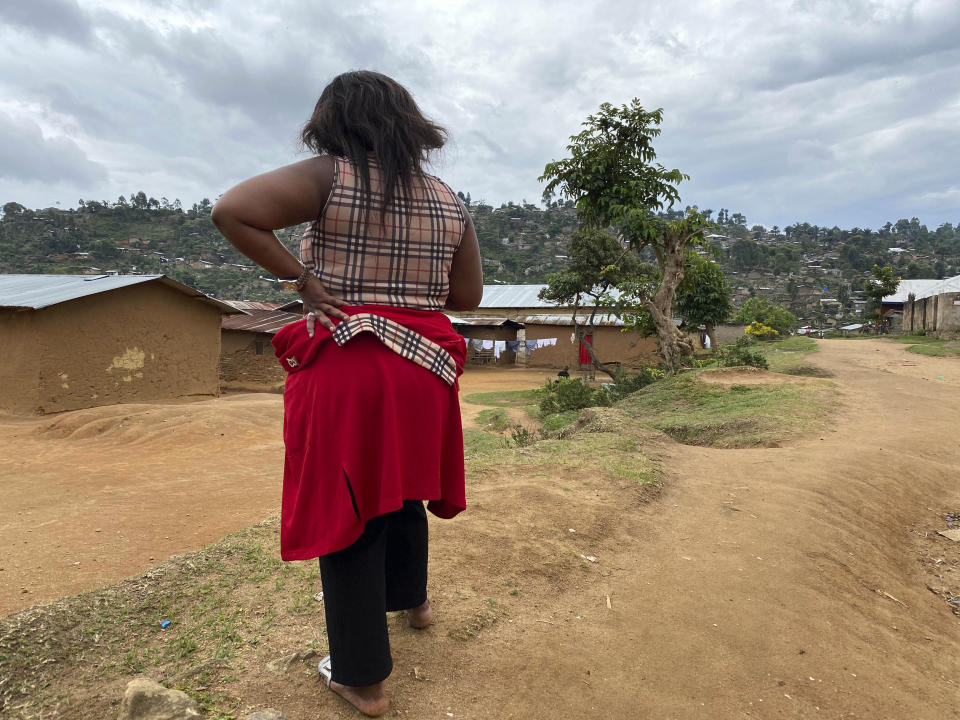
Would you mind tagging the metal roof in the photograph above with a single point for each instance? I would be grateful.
(248, 305)
(39, 291)
(520, 296)
(922, 288)
(513, 296)
(262, 321)
(483, 321)
(601, 320)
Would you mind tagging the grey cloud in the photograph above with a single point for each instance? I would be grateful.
(59, 18)
(26, 155)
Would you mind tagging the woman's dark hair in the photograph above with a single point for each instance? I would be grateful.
(363, 112)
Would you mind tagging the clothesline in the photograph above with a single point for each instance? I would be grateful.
(499, 346)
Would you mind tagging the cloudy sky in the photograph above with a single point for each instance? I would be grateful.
(835, 112)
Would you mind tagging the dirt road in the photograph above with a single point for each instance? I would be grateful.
(93, 496)
(770, 583)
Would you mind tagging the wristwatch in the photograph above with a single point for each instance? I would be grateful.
(296, 284)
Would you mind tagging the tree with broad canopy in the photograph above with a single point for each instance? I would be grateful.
(614, 179)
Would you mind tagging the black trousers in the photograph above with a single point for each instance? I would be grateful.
(383, 571)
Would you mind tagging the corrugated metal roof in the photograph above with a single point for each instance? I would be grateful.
(922, 288)
(949, 285)
(247, 305)
(262, 321)
(520, 296)
(482, 321)
(513, 296)
(39, 291)
(601, 320)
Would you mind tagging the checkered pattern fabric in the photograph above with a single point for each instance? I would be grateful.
(402, 340)
(402, 258)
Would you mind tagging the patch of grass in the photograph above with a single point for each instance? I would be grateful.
(909, 339)
(936, 350)
(507, 398)
(787, 353)
(927, 345)
(697, 413)
(217, 599)
(557, 421)
(495, 419)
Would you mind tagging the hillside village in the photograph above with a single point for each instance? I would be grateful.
(816, 272)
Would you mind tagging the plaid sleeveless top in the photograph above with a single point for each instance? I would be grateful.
(401, 259)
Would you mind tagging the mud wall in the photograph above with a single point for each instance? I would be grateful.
(247, 357)
(612, 345)
(142, 343)
(19, 373)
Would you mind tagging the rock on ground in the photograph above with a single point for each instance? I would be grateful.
(146, 699)
(267, 714)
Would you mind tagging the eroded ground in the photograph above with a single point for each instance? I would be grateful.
(805, 580)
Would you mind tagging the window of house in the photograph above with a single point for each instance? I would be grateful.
(258, 348)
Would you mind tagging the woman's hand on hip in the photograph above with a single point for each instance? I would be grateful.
(319, 305)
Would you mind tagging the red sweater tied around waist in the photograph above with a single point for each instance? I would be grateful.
(371, 418)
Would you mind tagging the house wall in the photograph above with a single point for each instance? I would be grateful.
(240, 363)
(937, 315)
(727, 333)
(948, 319)
(19, 371)
(611, 345)
(141, 343)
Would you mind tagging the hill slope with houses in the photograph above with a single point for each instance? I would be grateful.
(816, 272)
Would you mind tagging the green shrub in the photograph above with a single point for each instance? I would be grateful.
(570, 394)
(625, 384)
(741, 353)
(521, 436)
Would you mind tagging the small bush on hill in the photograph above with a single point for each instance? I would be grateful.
(625, 384)
(741, 353)
(761, 331)
(570, 394)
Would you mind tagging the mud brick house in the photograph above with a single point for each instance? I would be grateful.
(246, 355)
(78, 341)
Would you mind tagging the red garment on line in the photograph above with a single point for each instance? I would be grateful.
(365, 429)
(584, 353)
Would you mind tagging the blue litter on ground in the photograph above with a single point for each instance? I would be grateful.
(165, 623)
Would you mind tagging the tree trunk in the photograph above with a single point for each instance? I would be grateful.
(673, 345)
(608, 368)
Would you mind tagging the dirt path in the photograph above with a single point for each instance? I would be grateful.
(772, 583)
(754, 587)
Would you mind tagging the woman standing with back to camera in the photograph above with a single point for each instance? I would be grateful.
(371, 414)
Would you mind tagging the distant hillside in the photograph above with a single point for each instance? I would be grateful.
(816, 271)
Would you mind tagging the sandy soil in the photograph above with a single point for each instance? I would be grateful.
(769, 583)
(93, 496)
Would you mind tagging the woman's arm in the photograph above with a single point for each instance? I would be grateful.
(466, 271)
(248, 213)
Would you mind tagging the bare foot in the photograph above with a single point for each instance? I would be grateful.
(368, 699)
(421, 616)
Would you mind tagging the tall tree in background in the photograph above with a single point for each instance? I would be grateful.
(703, 298)
(883, 283)
(613, 177)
